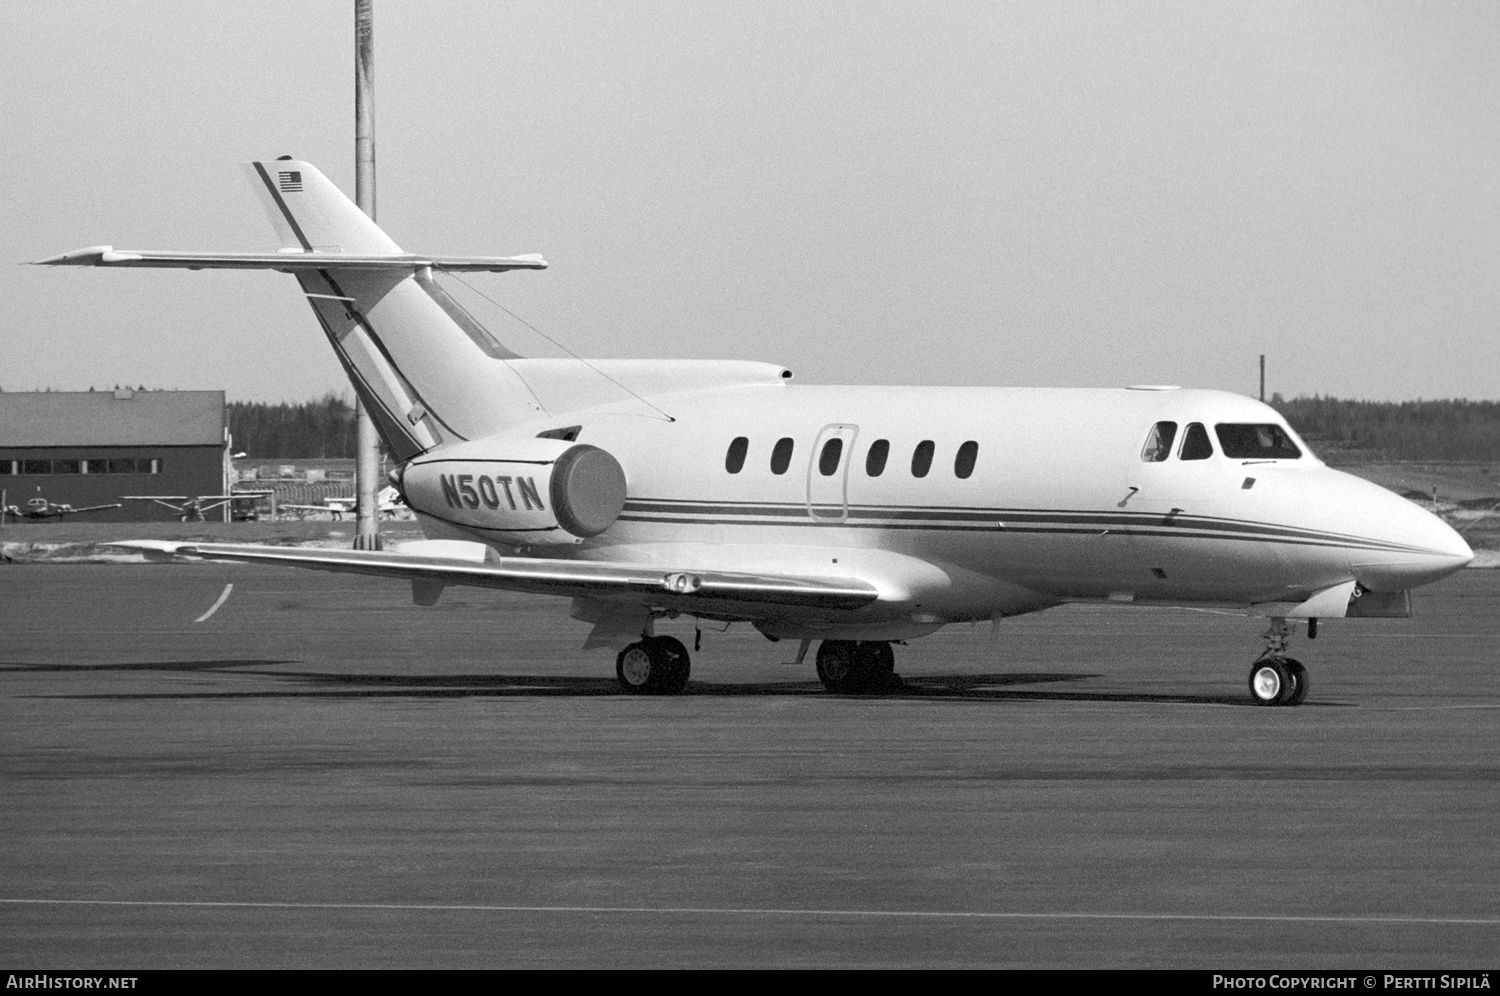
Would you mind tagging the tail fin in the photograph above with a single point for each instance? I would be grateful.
(310, 214)
(425, 370)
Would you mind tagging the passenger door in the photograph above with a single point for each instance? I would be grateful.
(828, 473)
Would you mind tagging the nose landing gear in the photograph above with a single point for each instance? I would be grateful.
(1276, 679)
(654, 665)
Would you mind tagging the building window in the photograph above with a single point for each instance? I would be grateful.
(7, 467)
(880, 449)
(36, 466)
(781, 455)
(921, 458)
(66, 467)
(963, 464)
(734, 460)
(96, 466)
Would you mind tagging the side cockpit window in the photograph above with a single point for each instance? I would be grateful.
(1159, 443)
(1195, 444)
(1265, 441)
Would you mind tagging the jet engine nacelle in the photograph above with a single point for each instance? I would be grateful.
(520, 491)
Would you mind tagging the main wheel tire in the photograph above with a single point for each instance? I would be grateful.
(655, 666)
(677, 664)
(1271, 681)
(839, 667)
(636, 669)
(877, 660)
(1299, 682)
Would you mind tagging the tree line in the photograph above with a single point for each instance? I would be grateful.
(320, 428)
(1398, 430)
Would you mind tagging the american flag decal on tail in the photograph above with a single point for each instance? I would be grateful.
(291, 182)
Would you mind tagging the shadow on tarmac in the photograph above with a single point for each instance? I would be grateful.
(303, 684)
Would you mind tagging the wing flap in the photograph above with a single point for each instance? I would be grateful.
(572, 578)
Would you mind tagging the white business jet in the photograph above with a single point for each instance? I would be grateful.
(855, 516)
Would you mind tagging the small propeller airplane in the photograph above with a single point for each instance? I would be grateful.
(855, 516)
(188, 508)
(389, 502)
(39, 509)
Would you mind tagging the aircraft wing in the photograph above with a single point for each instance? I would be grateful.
(90, 508)
(642, 583)
(153, 497)
(288, 262)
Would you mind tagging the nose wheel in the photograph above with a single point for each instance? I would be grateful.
(1276, 679)
(656, 665)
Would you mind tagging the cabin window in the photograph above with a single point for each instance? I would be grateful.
(734, 460)
(1159, 443)
(880, 449)
(921, 458)
(1266, 441)
(781, 455)
(963, 464)
(828, 461)
(1195, 444)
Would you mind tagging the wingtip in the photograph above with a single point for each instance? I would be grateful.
(76, 257)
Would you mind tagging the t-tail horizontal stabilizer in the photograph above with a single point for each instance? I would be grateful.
(287, 261)
(421, 365)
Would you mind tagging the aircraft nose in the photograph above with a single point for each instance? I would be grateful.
(1423, 548)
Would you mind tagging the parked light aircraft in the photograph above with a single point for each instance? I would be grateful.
(388, 501)
(39, 508)
(855, 516)
(188, 508)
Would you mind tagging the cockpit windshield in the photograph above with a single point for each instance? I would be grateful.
(1266, 441)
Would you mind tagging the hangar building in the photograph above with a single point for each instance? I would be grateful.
(90, 447)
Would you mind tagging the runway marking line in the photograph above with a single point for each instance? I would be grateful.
(759, 911)
(215, 607)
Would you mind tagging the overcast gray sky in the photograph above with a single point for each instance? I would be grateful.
(1073, 194)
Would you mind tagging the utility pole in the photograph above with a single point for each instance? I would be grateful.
(367, 443)
(1262, 377)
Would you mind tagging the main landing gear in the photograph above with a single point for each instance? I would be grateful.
(654, 665)
(1276, 679)
(850, 667)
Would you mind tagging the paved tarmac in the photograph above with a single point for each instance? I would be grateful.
(320, 774)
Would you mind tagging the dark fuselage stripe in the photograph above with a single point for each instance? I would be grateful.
(1346, 543)
(995, 520)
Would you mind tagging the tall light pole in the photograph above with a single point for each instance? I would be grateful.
(367, 443)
